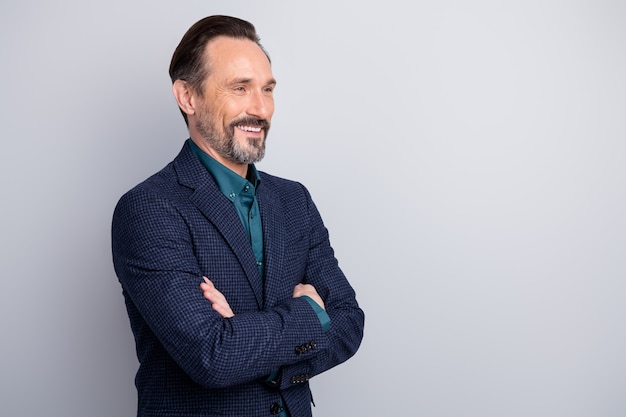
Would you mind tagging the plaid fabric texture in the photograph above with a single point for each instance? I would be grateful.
(177, 226)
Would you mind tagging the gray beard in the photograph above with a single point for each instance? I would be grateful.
(227, 147)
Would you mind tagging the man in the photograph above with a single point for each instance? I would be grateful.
(233, 292)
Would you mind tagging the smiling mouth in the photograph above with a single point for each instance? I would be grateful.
(253, 129)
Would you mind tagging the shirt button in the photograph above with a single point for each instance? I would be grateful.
(231, 195)
(275, 409)
(246, 188)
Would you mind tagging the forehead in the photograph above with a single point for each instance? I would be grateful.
(237, 58)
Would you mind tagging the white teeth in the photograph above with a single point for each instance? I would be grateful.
(250, 128)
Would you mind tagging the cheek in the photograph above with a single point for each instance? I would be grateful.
(228, 109)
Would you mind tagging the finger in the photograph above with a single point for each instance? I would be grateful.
(217, 299)
(212, 295)
(299, 290)
(223, 310)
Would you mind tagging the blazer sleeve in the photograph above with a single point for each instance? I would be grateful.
(345, 334)
(154, 260)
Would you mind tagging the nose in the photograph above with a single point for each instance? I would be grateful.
(261, 105)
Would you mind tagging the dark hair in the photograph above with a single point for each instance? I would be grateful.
(188, 59)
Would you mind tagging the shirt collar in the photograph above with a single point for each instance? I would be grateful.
(229, 182)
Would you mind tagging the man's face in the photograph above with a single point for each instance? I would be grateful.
(233, 115)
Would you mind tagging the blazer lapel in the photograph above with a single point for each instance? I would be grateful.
(220, 212)
(274, 235)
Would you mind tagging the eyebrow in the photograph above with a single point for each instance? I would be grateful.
(271, 81)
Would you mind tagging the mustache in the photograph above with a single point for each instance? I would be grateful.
(250, 121)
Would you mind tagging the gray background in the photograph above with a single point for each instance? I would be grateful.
(468, 159)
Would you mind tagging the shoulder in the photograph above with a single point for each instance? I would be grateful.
(289, 197)
(161, 194)
(144, 199)
(157, 184)
(281, 185)
(174, 182)
(288, 191)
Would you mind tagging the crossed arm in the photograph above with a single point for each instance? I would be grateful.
(221, 306)
(156, 265)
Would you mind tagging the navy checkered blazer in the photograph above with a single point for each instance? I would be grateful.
(177, 226)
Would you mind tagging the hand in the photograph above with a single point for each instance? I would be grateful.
(310, 291)
(217, 299)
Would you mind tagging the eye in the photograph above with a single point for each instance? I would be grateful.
(240, 89)
(268, 90)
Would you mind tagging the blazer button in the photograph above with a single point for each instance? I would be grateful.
(299, 379)
(305, 347)
(275, 408)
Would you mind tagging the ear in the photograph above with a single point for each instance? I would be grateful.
(184, 97)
